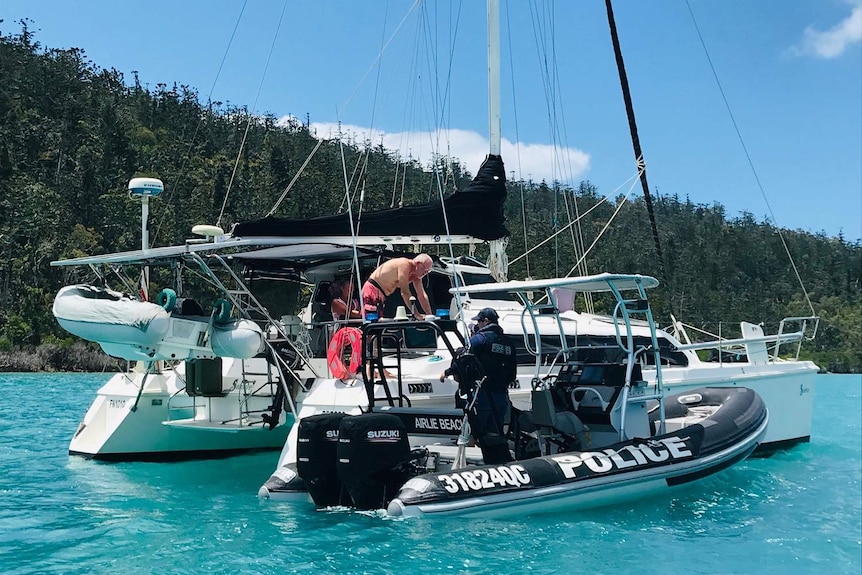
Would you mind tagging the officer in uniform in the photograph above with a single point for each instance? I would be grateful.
(496, 354)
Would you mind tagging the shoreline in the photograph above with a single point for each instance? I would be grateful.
(49, 358)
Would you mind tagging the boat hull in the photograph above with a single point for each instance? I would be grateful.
(787, 389)
(625, 471)
(163, 423)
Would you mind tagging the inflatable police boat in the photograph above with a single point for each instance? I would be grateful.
(596, 431)
(717, 428)
(366, 461)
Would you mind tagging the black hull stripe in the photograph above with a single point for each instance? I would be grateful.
(689, 477)
(168, 456)
(768, 449)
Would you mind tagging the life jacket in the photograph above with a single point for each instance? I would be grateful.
(498, 356)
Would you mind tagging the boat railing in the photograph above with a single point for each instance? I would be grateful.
(247, 304)
(624, 310)
(627, 311)
(385, 339)
(744, 345)
(531, 332)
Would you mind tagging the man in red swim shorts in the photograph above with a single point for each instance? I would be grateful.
(397, 274)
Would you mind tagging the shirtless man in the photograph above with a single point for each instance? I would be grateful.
(398, 274)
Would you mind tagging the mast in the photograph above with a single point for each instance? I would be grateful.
(494, 76)
(498, 260)
(633, 128)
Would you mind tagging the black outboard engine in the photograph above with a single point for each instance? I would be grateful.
(316, 453)
(373, 458)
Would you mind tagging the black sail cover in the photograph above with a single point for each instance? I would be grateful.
(475, 211)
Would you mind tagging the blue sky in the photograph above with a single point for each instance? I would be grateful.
(790, 72)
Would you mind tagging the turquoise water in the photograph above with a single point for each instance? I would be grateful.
(797, 512)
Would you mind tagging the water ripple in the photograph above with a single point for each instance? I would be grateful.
(799, 511)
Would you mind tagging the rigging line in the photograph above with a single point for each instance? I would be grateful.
(569, 210)
(201, 119)
(407, 112)
(547, 34)
(251, 113)
(563, 161)
(550, 75)
(441, 98)
(354, 230)
(379, 68)
(446, 92)
(636, 144)
(355, 178)
(360, 173)
(546, 240)
(295, 177)
(455, 276)
(437, 103)
(749, 160)
(541, 50)
(380, 55)
(606, 226)
(517, 137)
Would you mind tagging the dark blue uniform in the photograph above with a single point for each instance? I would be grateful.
(496, 353)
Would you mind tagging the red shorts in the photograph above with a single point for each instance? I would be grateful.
(373, 297)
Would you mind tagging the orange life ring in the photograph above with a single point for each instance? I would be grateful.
(351, 336)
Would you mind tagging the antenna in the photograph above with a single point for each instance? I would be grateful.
(143, 189)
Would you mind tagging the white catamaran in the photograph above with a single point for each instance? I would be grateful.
(233, 368)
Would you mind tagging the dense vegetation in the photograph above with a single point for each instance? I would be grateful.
(72, 134)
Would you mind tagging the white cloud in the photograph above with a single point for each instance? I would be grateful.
(833, 42)
(536, 161)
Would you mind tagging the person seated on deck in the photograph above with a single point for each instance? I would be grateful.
(343, 306)
(398, 274)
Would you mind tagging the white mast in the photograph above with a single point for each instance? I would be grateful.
(498, 261)
(494, 75)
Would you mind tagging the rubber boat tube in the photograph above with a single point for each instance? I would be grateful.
(103, 315)
(624, 471)
(242, 339)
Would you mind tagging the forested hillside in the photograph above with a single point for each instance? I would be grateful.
(72, 134)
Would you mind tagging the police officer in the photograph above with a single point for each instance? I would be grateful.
(496, 354)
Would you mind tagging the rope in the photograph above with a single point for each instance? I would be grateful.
(581, 217)
(604, 229)
(295, 177)
(253, 108)
(200, 120)
(748, 159)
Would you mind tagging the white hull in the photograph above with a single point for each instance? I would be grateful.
(787, 389)
(164, 422)
(592, 493)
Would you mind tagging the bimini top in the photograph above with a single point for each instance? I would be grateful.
(257, 253)
(476, 211)
(596, 283)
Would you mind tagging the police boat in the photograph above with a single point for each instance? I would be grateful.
(594, 433)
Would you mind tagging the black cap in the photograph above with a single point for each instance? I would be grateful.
(487, 313)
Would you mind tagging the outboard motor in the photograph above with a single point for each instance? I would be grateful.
(373, 458)
(316, 453)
